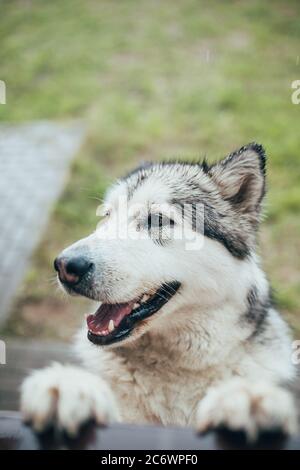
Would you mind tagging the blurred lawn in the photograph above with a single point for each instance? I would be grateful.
(155, 80)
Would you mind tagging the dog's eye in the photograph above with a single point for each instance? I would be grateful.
(159, 221)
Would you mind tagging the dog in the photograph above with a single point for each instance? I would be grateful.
(186, 332)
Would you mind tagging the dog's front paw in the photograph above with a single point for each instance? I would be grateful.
(66, 397)
(244, 406)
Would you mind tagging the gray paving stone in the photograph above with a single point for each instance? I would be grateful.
(34, 162)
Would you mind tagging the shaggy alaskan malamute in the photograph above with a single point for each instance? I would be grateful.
(186, 333)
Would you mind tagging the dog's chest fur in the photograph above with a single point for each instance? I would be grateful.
(154, 382)
(159, 389)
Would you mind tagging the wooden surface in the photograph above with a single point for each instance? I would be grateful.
(14, 435)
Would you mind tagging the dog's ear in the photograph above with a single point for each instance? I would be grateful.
(241, 178)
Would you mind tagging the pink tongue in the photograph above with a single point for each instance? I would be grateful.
(99, 321)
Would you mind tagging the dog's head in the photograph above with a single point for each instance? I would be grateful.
(172, 235)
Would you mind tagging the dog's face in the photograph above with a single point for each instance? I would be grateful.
(169, 234)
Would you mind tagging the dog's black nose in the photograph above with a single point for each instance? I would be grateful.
(71, 270)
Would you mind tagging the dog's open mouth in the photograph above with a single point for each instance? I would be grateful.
(114, 322)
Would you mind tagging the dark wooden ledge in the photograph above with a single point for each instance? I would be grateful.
(14, 435)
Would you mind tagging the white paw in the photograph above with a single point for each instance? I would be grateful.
(66, 397)
(241, 405)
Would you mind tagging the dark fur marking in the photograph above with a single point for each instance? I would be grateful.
(257, 312)
(213, 227)
(214, 230)
(237, 238)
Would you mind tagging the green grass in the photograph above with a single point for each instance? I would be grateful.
(156, 80)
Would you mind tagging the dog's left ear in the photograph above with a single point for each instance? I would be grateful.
(241, 178)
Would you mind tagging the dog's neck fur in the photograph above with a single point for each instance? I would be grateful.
(195, 336)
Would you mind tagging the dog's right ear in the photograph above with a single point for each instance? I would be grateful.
(241, 178)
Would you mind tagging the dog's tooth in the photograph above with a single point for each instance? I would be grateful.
(136, 305)
(111, 326)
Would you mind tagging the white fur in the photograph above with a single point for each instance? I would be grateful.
(67, 395)
(240, 404)
(190, 364)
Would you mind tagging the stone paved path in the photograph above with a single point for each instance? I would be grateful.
(34, 161)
